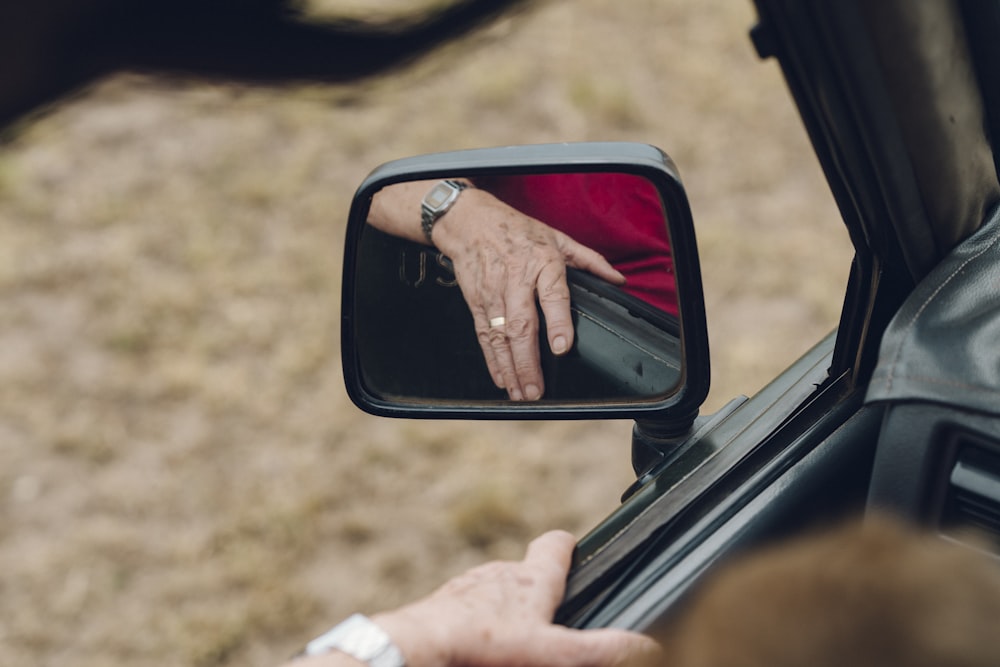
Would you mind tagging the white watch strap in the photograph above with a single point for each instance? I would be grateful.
(361, 639)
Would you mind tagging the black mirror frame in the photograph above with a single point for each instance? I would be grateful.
(634, 158)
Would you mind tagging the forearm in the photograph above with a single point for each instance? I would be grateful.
(396, 209)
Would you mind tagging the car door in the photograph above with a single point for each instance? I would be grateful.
(911, 181)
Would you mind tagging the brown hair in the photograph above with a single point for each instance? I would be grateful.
(869, 594)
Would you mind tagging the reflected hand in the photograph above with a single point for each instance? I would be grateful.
(503, 260)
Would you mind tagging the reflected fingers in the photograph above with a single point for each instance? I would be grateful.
(554, 299)
(522, 336)
(491, 333)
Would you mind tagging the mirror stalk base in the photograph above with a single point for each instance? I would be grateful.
(656, 443)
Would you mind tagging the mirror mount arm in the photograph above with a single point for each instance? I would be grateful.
(653, 441)
(656, 443)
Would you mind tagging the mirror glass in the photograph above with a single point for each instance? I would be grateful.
(546, 288)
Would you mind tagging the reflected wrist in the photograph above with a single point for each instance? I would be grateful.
(437, 202)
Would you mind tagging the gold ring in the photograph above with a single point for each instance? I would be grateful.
(498, 321)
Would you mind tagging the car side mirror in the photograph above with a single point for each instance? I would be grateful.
(416, 342)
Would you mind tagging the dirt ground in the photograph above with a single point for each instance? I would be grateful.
(183, 480)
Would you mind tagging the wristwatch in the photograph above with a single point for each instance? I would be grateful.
(361, 639)
(437, 202)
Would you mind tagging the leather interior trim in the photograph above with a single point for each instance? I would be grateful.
(942, 345)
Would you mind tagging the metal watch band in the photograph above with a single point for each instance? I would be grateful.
(360, 638)
(438, 200)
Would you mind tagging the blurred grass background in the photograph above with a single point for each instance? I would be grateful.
(183, 480)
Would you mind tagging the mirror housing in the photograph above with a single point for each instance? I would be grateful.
(603, 315)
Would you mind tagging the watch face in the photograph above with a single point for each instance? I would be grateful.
(438, 195)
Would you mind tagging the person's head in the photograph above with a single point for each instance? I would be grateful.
(872, 594)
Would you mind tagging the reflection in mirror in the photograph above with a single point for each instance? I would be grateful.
(551, 287)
